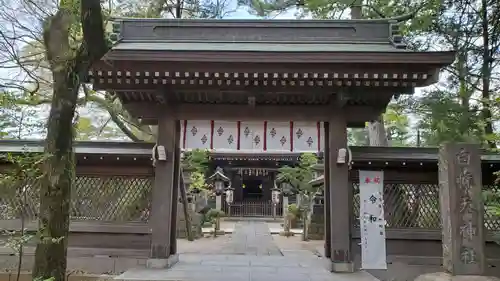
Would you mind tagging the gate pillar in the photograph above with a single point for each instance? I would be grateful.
(175, 191)
(326, 193)
(340, 195)
(163, 201)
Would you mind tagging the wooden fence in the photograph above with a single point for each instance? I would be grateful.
(411, 206)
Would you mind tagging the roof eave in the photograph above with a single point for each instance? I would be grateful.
(361, 153)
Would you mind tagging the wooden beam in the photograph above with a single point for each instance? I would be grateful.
(258, 66)
(404, 58)
(150, 112)
(320, 87)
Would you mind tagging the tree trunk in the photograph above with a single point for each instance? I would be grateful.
(357, 9)
(185, 209)
(308, 211)
(464, 94)
(68, 69)
(376, 132)
(305, 227)
(486, 73)
(58, 171)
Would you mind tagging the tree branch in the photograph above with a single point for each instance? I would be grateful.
(113, 114)
(93, 46)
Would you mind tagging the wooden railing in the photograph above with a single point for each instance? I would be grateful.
(253, 209)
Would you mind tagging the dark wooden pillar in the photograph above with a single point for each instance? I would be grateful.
(163, 191)
(238, 190)
(326, 174)
(462, 209)
(267, 186)
(175, 193)
(340, 196)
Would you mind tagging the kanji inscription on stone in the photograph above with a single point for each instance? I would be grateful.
(461, 209)
(468, 231)
(468, 255)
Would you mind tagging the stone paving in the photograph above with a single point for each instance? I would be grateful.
(245, 268)
(249, 254)
(251, 238)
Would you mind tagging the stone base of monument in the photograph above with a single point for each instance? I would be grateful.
(442, 276)
(342, 267)
(286, 233)
(162, 263)
(219, 232)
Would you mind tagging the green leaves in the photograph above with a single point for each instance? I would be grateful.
(397, 125)
(198, 181)
(300, 175)
(24, 167)
(445, 119)
(197, 160)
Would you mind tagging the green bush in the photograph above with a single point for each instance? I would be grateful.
(214, 214)
(295, 211)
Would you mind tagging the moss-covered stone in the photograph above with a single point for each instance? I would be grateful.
(181, 223)
(317, 226)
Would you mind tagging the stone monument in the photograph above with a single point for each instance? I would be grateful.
(462, 211)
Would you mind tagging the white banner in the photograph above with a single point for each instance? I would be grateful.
(372, 221)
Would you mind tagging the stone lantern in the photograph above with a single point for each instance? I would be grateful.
(275, 196)
(319, 177)
(219, 181)
(187, 181)
(319, 170)
(287, 190)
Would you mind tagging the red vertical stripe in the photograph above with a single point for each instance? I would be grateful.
(291, 136)
(265, 135)
(184, 134)
(238, 130)
(211, 134)
(318, 126)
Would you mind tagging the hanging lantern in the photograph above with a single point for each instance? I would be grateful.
(229, 195)
(275, 194)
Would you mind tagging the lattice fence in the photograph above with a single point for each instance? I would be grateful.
(114, 198)
(417, 206)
